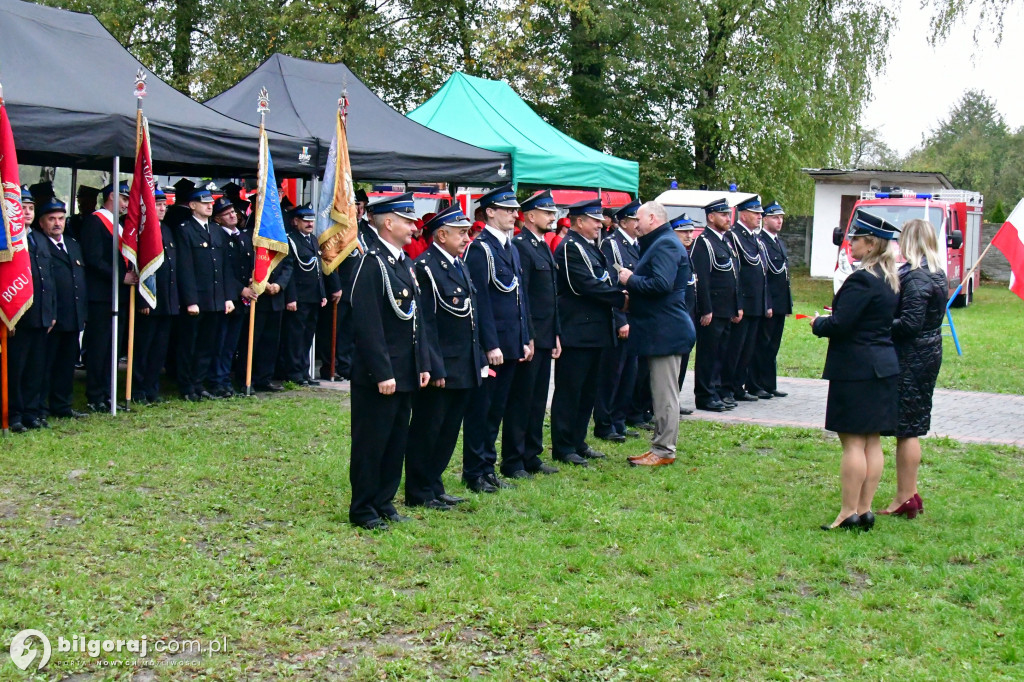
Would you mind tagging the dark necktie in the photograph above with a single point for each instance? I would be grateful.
(60, 245)
(460, 270)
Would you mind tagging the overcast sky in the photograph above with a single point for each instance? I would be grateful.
(922, 83)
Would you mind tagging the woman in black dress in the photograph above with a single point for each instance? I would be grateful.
(917, 333)
(861, 366)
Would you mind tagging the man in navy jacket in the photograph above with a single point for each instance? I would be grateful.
(660, 324)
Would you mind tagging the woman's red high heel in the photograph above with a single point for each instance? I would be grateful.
(920, 503)
(908, 509)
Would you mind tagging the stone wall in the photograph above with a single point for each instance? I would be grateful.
(796, 234)
(995, 266)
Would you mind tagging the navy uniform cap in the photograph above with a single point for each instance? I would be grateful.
(718, 206)
(26, 196)
(588, 207)
(158, 195)
(541, 201)
(401, 204)
(302, 213)
(449, 217)
(682, 223)
(500, 197)
(361, 196)
(109, 189)
(867, 224)
(221, 205)
(628, 211)
(774, 209)
(201, 195)
(54, 205)
(753, 204)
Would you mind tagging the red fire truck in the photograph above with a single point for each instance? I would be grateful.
(956, 215)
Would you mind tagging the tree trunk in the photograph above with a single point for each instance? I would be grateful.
(586, 86)
(185, 14)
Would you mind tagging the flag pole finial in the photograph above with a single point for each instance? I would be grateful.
(140, 84)
(1, 94)
(263, 101)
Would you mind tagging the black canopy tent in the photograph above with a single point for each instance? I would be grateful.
(68, 87)
(383, 144)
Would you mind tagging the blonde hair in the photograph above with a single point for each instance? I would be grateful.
(881, 261)
(918, 242)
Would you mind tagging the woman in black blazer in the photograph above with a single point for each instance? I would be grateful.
(917, 333)
(861, 366)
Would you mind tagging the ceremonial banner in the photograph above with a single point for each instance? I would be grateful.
(142, 243)
(268, 237)
(336, 226)
(1010, 240)
(15, 266)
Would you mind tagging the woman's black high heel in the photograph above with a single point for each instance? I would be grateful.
(850, 522)
(867, 520)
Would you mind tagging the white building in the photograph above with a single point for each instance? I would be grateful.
(835, 193)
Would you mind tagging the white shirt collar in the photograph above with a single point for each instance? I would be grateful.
(770, 234)
(450, 257)
(204, 223)
(395, 251)
(56, 242)
(629, 240)
(230, 231)
(500, 235)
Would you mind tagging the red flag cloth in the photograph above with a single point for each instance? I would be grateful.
(141, 242)
(15, 266)
(1010, 240)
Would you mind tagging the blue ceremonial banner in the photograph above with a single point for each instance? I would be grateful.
(268, 237)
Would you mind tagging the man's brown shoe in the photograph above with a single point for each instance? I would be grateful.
(652, 460)
(633, 458)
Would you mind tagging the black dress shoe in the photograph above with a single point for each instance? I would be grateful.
(613, 437)
(72, 414)
(497, 482)
(206, 395)
(591, 453)
(154, 399)
(867, 520)
(480, 485)
(436, 505)
(545, 469)
(45, 424)
(644, 426)
(779, 394)
(395, 517)
(728, 401)
(685, 411)
(312, 382)
(518, 473)
(269, 388)
(372, 524)
(851, 522)
(713, 406)
(746, 397)
(631, 433)
(140, 400)
(573, 458)
(99, 407)
(222, 393)
(451, 500)
(27, 424)
(762, 394)
(191, 397)
(18, 427)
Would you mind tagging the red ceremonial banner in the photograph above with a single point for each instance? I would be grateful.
(15, 266)
(141, 241)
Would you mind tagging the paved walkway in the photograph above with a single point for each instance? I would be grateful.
(993, 418)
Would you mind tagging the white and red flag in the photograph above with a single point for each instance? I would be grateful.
(141, 242)
(1010, 240)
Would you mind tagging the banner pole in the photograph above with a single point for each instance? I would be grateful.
(5, 417)
(334, 339)
(248, 355)
(114, 284)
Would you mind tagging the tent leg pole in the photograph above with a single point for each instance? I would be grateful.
(115, 254)
(73, 199)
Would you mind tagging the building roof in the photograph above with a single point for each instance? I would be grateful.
(881, 175)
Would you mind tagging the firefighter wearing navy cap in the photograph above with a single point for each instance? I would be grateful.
(683, 226)
(270, 307)
(69, 280)
(389, 364)
(238, 259)
(522, 433)
(305, 297)
(617, 377)
(98, 232)
(496, 273)
(153, 325)
(718, 306)
(205, 298)
(763, 371)
(588, 293)
(27, 345)
(755, 301)
(455, 359)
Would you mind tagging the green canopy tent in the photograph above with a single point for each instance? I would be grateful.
(489, 114)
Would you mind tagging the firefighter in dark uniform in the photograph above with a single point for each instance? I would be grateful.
(755, 300)
(456, 359)
(27, 345)
(238, 259)
(153, 325)
(718, 306)
(305, 297)
(97, 243)
(496, 273)
(67, 268)
(617, 375)
(683, 226)
(270, 307)
(205, 299)
(522, 432)
(763, 374)
(587, 296)
(389, 364)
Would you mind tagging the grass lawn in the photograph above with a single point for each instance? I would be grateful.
(991, 335)
(228, 520)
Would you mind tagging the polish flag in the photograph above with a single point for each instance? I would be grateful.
(1010, 240)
